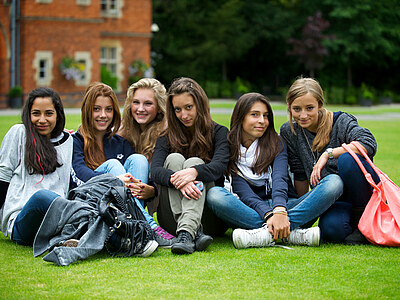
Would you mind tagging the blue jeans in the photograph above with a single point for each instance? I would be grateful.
(138, 166)
(301, 211)
(336, 222)
(31, 216)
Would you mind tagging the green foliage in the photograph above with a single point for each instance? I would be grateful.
(137, 70)
(108, 77)
(219, 40)
(242, 86)
(351, 96)
(334, 95)
(366, 92)
(15, 91)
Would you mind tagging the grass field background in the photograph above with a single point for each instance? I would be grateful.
(329, 271)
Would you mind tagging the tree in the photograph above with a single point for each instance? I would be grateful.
(310, 49)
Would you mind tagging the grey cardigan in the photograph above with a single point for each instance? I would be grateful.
(345, 129)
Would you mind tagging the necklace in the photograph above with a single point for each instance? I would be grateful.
(315, 155)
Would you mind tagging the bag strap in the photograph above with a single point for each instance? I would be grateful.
(368, 176)
(358, 146)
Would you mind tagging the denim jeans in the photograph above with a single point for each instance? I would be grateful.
(301, 211)
(138, 166)
(336, 222)
(31, 216)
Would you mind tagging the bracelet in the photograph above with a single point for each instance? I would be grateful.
(281, 213)
(279, 210)
(268, 215)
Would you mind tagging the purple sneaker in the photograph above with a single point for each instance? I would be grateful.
(163, 238)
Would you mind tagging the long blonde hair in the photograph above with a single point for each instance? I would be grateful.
(301, 87)
(94, 157)
(144, 141)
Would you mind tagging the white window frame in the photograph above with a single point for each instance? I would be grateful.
(85, 58)
(46, 56)
(44, 1)
(116, 61)
(110, 12)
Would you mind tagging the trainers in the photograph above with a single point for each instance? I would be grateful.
(259, 237)
(163, 238)
(202, 241)
(184, 244)
(304, 237)
(150, 247)
(70, 243)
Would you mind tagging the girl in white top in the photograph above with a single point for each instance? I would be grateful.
(35, 165)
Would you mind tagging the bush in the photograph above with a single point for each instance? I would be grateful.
(335, 95)
(15, 91)
(350, 96)
(108, 78)
(212, 89)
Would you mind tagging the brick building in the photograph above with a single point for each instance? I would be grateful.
(36, 36)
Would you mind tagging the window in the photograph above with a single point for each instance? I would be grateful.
(85, 59)
(111, 59)
(111, 8)
(43, 69)
(108, 59)
(44, 1)
(83, 2)
(43, 65)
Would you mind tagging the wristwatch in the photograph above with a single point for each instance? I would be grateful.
(330, 153)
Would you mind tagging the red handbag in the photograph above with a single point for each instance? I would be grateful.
(380, 222)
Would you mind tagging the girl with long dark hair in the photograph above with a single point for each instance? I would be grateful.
(189, 158)
(35, 165)
(263, 204)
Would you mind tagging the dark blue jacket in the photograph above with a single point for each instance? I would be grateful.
(282, 187)
(117, 147)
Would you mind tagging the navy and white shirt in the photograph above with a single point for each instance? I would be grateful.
(116, 147)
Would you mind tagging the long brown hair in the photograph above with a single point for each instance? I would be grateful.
(301, 87)
(269, 144)
(181, 139)
(94, 157)
(144, 141)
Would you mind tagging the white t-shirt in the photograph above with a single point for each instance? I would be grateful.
(22, 185)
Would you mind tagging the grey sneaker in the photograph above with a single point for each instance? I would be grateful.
(150, 247)
(184, 244)
(304, 237)
(259, 237)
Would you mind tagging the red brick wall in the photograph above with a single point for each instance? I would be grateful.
(4, 62)
(63, 27)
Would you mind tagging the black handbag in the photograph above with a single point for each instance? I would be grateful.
(129, 230)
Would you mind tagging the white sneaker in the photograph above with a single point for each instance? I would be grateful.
(150, 247)
(259, 237)
(304, 237)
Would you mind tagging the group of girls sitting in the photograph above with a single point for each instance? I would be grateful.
(199, 177)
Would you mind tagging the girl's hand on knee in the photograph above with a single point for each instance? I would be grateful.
(126, 178)
(142, 190)
(190, 191)
(183, 177)
(316, 173)
(279, 226)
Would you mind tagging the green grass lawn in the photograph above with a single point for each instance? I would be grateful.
(329, 271)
